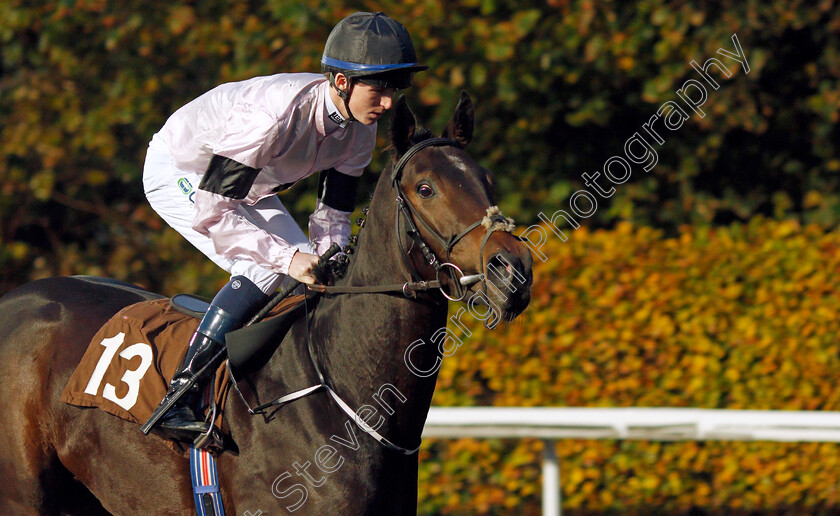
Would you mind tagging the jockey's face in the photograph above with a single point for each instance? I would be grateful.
(368, 103)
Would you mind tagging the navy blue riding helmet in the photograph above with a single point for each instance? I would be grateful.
(372, 48)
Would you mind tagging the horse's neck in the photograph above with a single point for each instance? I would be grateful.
(360, 339)
(364, 360)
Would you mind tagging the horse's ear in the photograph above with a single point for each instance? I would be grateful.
(403, 126)
(460, 127)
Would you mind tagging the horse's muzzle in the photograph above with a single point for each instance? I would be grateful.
(509, 280)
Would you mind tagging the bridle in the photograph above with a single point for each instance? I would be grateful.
(492, 221)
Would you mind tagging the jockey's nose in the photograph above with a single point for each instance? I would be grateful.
(387, 100)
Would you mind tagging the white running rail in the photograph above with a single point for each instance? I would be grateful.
(655, 424)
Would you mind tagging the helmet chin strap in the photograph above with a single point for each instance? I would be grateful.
(344, 95)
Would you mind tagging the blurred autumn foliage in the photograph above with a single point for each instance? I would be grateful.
(741, 317)
(559, 86)
(711, 315)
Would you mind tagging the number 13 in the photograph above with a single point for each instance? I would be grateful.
(131, 378)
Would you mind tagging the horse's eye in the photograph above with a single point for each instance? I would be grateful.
(425, 191)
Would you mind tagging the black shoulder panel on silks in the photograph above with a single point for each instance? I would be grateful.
(338, 190)
(228, 178)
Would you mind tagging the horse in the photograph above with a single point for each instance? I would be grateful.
(376, 350)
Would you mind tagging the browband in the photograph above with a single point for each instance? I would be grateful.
(414, 149)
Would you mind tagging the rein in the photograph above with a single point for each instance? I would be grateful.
(492, 221)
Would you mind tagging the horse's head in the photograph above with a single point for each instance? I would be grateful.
(448, 198)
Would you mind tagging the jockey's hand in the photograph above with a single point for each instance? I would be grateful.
(301, 267)
(333, 269)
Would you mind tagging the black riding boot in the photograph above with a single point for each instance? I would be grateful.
(183, 421)
(237, 300)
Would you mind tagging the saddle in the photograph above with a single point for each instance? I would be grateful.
(126, 368)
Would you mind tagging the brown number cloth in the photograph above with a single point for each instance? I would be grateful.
(145, 343)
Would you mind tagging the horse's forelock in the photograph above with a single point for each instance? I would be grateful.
(419, 136)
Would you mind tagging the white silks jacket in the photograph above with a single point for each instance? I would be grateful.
(280, 125)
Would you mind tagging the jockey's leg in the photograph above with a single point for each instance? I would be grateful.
(230, 308)
(170, 192)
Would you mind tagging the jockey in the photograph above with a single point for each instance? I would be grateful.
(214, 169)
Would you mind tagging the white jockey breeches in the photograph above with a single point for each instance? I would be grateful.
(170, 190)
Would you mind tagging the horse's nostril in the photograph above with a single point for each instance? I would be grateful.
(505, 270)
